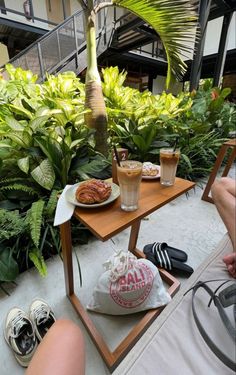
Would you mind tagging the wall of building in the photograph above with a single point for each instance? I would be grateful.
(39, 11)
(213, 35)
(74, 6)
(4, 57)
(159, 85)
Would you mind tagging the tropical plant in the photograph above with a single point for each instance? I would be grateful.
(44, 145)
(142, 122)
(211, 110)
(174, 21)
(42, 128)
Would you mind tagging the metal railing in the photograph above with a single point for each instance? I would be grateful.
(64, 47)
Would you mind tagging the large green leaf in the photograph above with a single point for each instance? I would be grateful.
(38, 122)
(59, 155)
(139, 141)
(22, 139)
(3, 144)
(97, 168)
(174, 20)
(23, 164)
(44, 174)
(14, 124)
(8, 266)
(21, 111)
(52, 150)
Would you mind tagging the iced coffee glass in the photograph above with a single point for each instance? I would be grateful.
(169, 159)
(129, 175)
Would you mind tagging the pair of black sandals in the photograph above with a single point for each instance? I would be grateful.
(167, 257)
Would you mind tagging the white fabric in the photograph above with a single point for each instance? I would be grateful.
(173, 344)
(64, 209)
(128, 285)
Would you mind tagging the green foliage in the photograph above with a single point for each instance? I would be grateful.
(44, 174)
(38, 261)
(42, 131)
(142, 122)
(51, 204)
(174, 21)
(11, 224)
(198, 155)
(34, 218)
(20, 75)
(44, 145)
(8, 266)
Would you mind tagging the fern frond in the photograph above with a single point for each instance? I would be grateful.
(35, 219)
(52, 203)
(26, 189)
(12, 224)
(39, 262)
(12, 179)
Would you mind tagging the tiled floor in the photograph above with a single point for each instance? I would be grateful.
(187, 223)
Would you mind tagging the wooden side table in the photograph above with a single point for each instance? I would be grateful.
(231, 144)
(104, 223)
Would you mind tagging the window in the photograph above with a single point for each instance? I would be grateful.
(2, 4)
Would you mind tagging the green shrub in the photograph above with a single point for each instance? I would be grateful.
(44, 145)
(143, 123)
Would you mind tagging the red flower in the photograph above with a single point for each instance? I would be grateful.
(214, 95)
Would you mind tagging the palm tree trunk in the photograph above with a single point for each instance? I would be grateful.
(94, 100)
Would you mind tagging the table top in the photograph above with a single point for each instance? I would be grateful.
(106, 221)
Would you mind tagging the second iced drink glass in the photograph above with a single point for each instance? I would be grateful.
(169, 159)
(129, 175)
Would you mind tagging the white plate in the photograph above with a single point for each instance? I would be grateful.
(158, 175)
(70, 196)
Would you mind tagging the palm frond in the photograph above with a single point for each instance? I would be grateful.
(175, 21)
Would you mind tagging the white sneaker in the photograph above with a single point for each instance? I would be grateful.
(42, 317)
(20, 335)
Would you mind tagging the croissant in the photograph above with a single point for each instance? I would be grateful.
(93, 191)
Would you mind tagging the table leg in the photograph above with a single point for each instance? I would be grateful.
(134, 235)
(230, 161)
(66, 243)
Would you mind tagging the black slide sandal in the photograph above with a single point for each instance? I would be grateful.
(172, 251)
(162, 259)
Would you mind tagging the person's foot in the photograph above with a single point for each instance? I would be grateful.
(230, 261)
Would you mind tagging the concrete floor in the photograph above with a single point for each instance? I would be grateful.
(187, 223)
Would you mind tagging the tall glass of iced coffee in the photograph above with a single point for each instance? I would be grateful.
(129, 175)
(169, 159)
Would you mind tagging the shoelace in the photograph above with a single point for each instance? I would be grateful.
(16, 324)
(41, 313)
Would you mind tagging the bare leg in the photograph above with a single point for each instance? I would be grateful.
(224, 196)
(61, 351)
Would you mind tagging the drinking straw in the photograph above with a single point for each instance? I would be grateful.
(117, 156)
(176, 143)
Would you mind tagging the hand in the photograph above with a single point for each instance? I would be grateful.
(230, 261)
